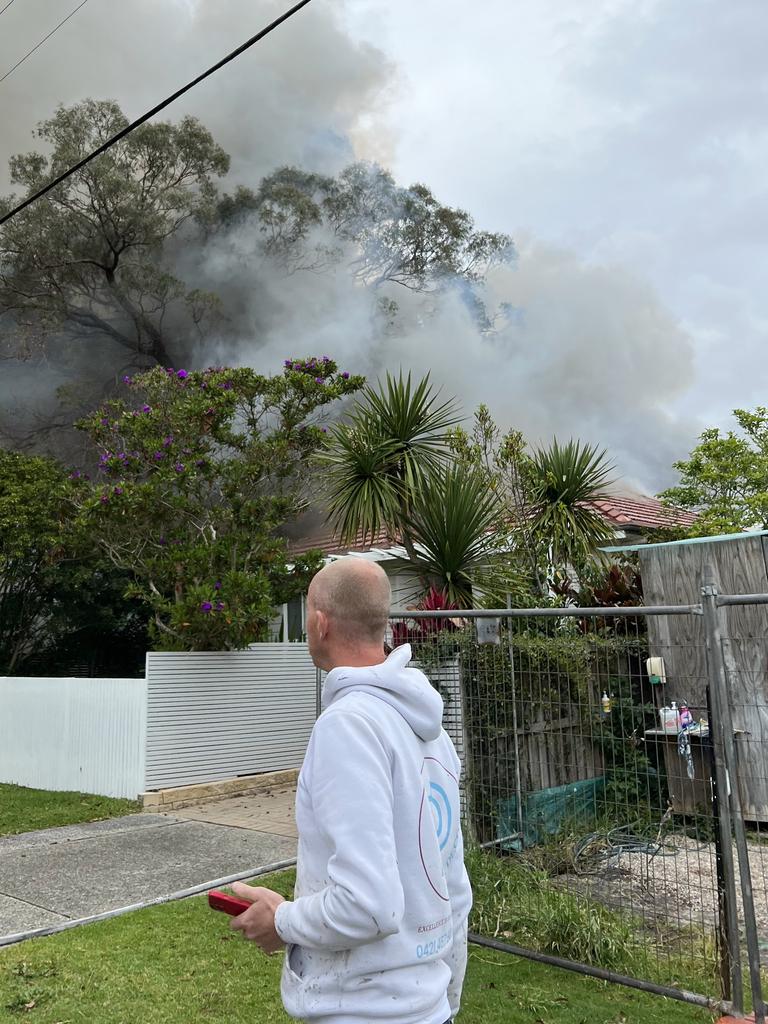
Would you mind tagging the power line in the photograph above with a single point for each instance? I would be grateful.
(155, 110)
(37, 47)
(4, 9)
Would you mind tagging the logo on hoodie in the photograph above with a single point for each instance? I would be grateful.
(437, 822)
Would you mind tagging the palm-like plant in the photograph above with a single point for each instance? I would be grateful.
(394, 441)
(454, 523)
(562, 484)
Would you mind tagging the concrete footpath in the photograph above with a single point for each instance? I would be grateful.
(61, 874)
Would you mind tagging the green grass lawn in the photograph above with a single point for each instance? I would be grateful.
(180, 963)
(23, 809)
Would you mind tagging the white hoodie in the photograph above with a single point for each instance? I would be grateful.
(377, 930)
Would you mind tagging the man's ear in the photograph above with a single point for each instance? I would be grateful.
(322, 624)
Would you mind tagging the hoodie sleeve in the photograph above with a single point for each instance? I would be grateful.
(352, 801)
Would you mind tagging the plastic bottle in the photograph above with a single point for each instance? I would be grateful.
(606, 703)
(686, 718)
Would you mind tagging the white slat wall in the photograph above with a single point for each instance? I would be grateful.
(79, 734)
(217, 715)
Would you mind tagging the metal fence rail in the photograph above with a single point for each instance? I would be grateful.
(600, 833)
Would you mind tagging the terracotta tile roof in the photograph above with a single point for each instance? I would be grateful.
(642, 513)
(328, 542)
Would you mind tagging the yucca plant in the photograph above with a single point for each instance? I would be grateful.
(453, 522)
(391, 467)
(562, 484)
(393, 442)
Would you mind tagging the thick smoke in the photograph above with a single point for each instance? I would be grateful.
(303, 95)
(575, 349)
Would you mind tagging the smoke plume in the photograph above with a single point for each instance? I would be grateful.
(573, 349)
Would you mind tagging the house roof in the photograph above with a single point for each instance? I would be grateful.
(328, 542)
(636, 512)
(641, 512)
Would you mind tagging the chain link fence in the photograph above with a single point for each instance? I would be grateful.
(607, 831)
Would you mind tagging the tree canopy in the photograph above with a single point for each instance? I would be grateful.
(198, 473)
(725, 478)
(88, 260)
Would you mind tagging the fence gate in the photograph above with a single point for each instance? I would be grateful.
(606, 834)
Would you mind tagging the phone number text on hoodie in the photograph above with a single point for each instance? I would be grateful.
(433, 947)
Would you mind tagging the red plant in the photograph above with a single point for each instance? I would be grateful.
(418, 629)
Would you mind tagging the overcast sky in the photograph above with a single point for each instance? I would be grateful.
(623, 143)
(630, 131)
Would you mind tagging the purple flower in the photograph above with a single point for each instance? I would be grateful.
(146, 408)
(219, 606)
(288, 363)
(118, 490)
(217, 585)
(75, 474)
(104, 421)
(200, 462)
(182, 374)
(127, 380)
(326, 359)
(324, 429)
(227, 385)
(345, 375)
(159, 455)
(167, 441)
(123, 457)
(206, 606)
(104, 458)
(104, 499)
(319, 380)
(169, 369)
(179, 467)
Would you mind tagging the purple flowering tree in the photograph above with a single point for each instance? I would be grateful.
(198, 470)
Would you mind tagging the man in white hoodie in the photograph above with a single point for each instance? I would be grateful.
(377, 930)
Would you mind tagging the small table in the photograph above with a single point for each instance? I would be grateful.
(687, 796)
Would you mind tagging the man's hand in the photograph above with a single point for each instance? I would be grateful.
(257, 923)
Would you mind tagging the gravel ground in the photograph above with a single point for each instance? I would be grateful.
(678, 886)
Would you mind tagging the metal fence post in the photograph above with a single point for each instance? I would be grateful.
(515, 736)
(723, 721)
(731, 951)
(722, 715)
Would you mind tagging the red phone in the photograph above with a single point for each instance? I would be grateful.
(218, 900)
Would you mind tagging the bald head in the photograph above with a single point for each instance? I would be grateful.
(354, 595)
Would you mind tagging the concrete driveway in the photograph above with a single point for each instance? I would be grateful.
(62, 874)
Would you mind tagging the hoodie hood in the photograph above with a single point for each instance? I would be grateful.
(405, 689)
